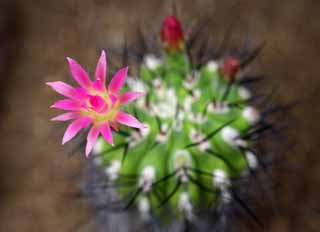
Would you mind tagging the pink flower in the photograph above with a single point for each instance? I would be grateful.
(94, 104)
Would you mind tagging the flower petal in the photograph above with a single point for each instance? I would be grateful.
(101, 71)
(113, 99)
(81, 93)
(62, 88)
(75, 127)
(66, 104)
(91, 139)
(128, 120)
(66, 116)
(106, 133)
(130, 96)
(118, 80)
(114, 126)
(79, 74)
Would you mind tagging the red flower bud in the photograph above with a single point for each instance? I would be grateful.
(230, 67)
(172, 34)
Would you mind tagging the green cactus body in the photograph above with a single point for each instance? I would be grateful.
(192, 145)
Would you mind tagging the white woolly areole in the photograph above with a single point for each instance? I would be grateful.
(244, 93)
(218, 108)
(187, 103)
(165, 106)
(197, 93)
(144, 208)
(185, 205)
(182, 160)
(251, 114)
(197, 118)
(204, 146)
(196, 136)
(171, 95)
(226, 196)
(138, 86)
(252, 160)
(191, 80)
(145, 130)
(112, 171)
(134, 138)
(220, 178)
(182, 174)
(163, 135)
(212, 65)
(147, 177)
(98, 147)
(137, 136)
(151, 61)
(231, 136)
(222, 181)
(178, 122)
(163, 110)
(164, 127)
(97, 151)
(157, 82)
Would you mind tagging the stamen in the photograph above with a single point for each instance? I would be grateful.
(96, 103)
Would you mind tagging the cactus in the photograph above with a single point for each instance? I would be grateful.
(197, 140)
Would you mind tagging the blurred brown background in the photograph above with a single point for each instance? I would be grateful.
(37, 188)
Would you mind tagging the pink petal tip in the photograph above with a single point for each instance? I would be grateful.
(74, 128)
(130, 96)
(91, 140)
(107, 133)
(118, 80)
(79, 74)
(128, 120)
